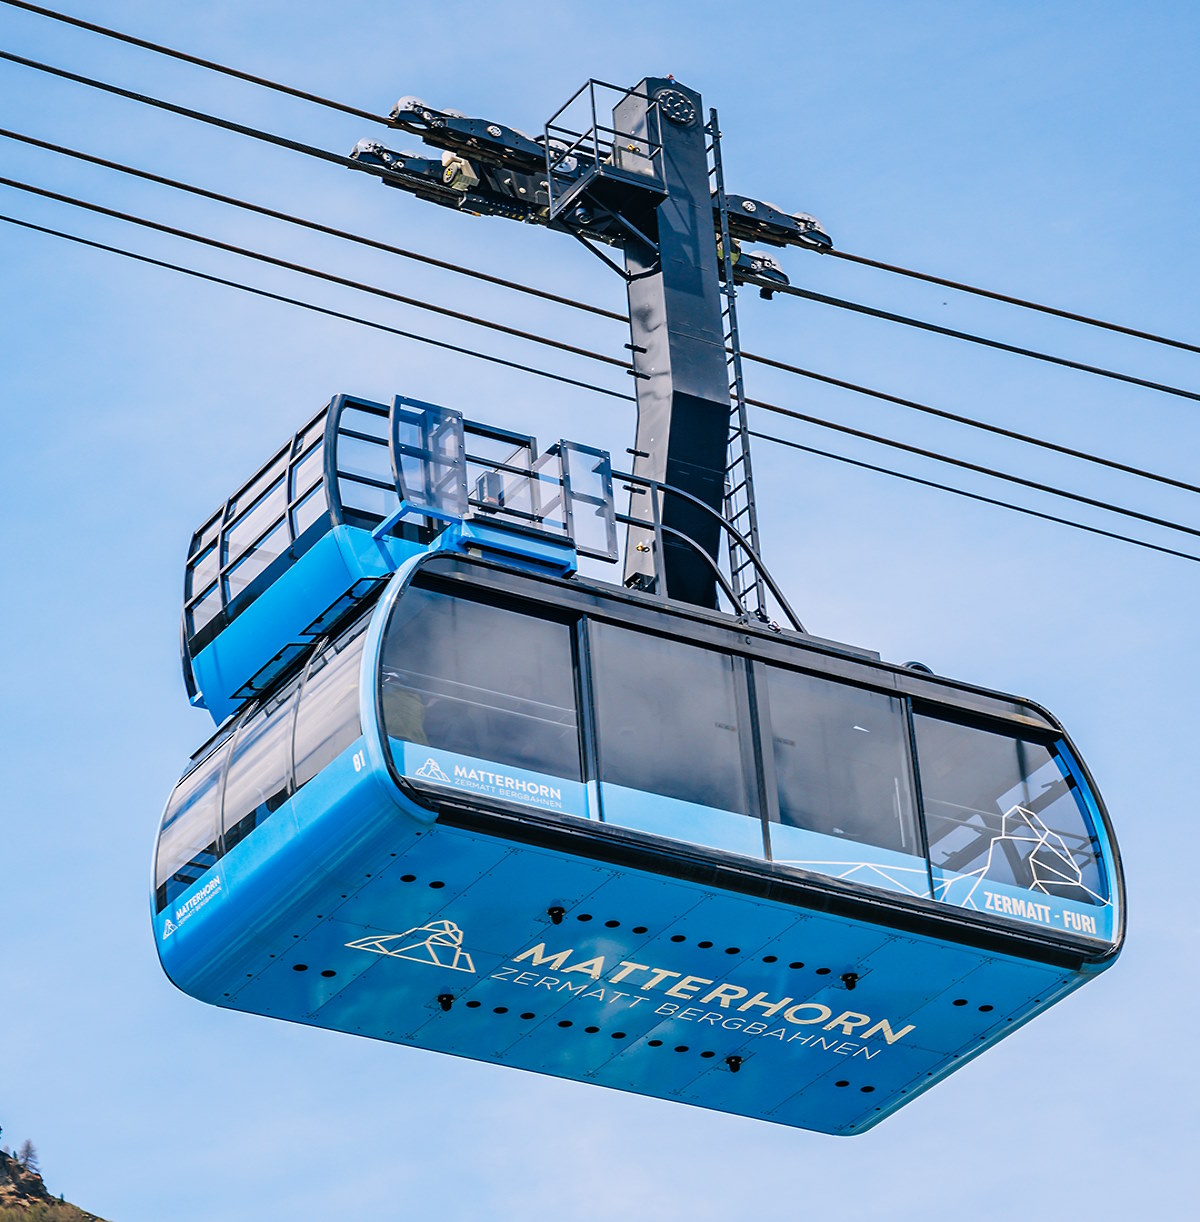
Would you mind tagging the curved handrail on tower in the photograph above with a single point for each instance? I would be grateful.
(639, 483)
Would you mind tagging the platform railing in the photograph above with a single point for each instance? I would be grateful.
(596, 146)
(657, 491)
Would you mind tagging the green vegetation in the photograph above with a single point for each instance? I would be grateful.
(45, 1211)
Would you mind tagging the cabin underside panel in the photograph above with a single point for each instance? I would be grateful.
(463, 943)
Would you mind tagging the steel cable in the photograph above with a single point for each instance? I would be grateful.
(371, 116)
(974, 496)
(970, 422)
(316, 309)
(979, 469)
(441, 344)
(241, 129)
(316, 226)
(330, 277)
(211, 65)
(791, 290)
(999, 345)
(1023, 302)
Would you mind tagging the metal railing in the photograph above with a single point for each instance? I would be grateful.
(637, 485)
(590, 147)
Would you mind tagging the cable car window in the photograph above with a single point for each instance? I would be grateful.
(1005, 818)
(256, 783)
(672, 727)
(187, 841)
(467, 686)
(327, 719)
(843, 772)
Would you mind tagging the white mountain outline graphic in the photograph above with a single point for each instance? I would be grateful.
(1050, 861)
(440, 947)
(430, 771)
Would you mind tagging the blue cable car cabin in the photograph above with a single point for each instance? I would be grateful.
(468, 800)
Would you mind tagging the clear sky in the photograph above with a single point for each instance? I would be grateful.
(1048, 150)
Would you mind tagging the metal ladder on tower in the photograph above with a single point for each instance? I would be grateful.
(740, 509)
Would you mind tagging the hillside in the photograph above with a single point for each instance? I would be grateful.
(23, 1197)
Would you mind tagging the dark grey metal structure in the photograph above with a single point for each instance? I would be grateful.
(640, 169)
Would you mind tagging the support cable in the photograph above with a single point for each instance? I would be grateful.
(1024, 303)
(970, 422)
(271, 260)
(791, 290)
(241, 129)
(936, 329)
(771, 407)
(371, 116)
(964, 465)
(211, 65)
(441, 344)
(316, 226)
(317, 309)
(974, 496)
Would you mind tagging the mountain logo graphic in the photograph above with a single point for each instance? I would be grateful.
(168, 929)
(430, 771)
(438, 944)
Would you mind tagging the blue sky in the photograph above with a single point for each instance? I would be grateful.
(1047, 150)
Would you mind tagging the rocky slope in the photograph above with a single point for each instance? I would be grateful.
(23, 1197)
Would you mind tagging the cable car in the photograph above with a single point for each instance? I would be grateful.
(466, 798)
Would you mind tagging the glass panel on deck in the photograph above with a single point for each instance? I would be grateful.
(1008, 828)
(204, 610)
(258, 559)
(260, 483)
(187, 841)
(367, 500)
(308, 511)
(256, 784)
(308, 471)
(359, 418)
(481, 699)
(202, 571)
(364, 458)
(844, 781)
(327, 720)
(671, 726)
(429, 459)
(256, 539)
(587, 475)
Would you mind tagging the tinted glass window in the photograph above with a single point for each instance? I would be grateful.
(842, 764)
(256, 784)
(1004, 809)
(327, 719)
(187, 843)
(481, 682)
(670, 722)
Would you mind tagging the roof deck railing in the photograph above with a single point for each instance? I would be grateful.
(403, 476)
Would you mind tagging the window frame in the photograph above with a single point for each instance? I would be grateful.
(584, 727)
(1059, 747)
(748, 727)
(766, 756)
(228, 737)
(831, 661)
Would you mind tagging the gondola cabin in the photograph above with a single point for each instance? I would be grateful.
(466, 799)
